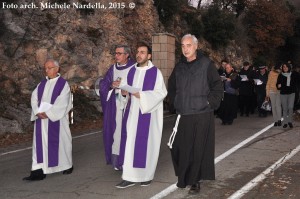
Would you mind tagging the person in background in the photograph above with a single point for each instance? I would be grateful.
(246, 89)
(286, 83)
(195, 89)
(145, 120)
(260, 81)
(296, 70)
(113, 104)
(221, 72)
(52, 139)
(221, 69)
(273, 94)
(229, 105)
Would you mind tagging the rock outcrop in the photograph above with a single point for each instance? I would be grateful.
(81, 40)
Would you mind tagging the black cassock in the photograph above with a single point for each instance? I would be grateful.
(193, 149)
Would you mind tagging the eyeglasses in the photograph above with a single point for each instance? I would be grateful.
(118, 53)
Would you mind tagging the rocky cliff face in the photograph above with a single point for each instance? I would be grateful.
(81, 40)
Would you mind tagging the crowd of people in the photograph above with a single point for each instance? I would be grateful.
(132, 94)
(250, 88)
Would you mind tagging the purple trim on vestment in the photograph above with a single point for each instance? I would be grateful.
(143, 124)
(38, 125)
(109, 111)
(53, 127)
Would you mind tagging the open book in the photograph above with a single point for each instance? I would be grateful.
(258, 81)
(129, 89)
(244, 78)
(124, 87)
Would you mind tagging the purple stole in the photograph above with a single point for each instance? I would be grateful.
(109, 113)
(53, 127)
(143, 124)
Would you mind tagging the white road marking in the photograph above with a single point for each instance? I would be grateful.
(243, 143)
(173, 187)
(16, 151)
(245, 189)
(28, 148)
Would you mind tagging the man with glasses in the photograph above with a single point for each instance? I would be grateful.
(52, 140)
(113, 103)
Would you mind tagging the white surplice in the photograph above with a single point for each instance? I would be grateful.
(150, 102)
(58, 111)
(120, 103)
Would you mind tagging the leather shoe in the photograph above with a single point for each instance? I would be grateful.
(68, 171)
(36, 175)
(195, 188)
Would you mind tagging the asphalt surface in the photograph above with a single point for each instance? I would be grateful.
(238, 162)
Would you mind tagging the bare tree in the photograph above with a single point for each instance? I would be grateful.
(199, 4)
(192, 2)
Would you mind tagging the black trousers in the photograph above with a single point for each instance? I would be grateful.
(245, 104)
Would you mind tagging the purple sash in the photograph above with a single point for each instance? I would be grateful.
(53, 127)
(109, 114)
(143, 124)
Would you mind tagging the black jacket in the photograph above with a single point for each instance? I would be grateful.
(246, 87)
(261, 89)
(195, 87)
(284, 89)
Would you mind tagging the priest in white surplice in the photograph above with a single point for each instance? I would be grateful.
(145, 120)
(52, 140)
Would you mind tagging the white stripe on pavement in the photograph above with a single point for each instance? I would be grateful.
(28, 148)
(16, 151)
(236, 147)
(245, 189)
(173, 187)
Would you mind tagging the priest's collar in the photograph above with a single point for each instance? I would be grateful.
(121, 65)
(58, 75)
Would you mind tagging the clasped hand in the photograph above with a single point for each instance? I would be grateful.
(42, 115)
(115, 84)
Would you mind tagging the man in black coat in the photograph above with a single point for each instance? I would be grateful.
(246, 90)
(196, 90)
(260, 81)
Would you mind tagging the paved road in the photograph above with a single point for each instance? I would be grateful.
(235, 167)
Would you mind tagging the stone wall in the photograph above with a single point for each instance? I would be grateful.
(163, 53)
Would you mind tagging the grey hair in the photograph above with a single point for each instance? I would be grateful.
(194, 38)
(53, 61)
(126, 48)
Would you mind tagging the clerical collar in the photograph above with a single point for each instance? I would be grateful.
(121, 65)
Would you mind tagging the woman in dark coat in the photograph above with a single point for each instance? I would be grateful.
(229, 105)
(286, 83)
